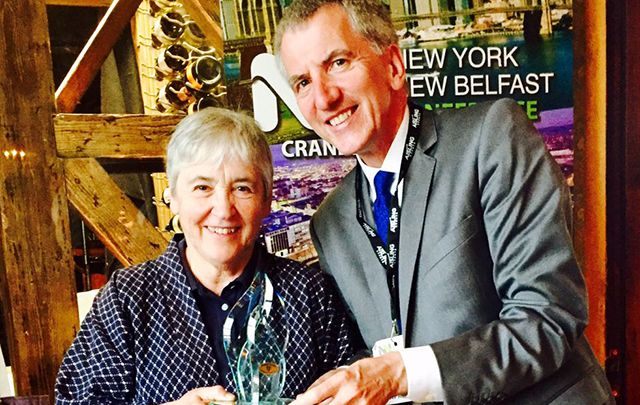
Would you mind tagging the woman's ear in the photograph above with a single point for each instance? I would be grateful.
(169, 199)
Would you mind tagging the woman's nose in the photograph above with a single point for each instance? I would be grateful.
(222, 203)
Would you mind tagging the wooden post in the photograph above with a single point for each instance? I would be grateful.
(590, 162)
(36, 266)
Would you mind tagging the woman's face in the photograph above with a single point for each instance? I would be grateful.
(221, 208)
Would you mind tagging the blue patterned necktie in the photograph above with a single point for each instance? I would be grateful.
(382, 182)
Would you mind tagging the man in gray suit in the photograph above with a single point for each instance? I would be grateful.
(450, 239)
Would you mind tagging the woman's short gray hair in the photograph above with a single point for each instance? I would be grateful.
(218, 135)
(369, 18)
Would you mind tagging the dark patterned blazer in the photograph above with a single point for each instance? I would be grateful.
(144, 341)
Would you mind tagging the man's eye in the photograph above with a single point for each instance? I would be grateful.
(339, 62)
(300, 85)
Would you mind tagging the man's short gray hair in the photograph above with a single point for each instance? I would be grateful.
(369, 18)
(218, 135)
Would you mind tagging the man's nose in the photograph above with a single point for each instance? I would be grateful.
(326, 94)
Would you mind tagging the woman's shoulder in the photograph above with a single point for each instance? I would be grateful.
(297, 278)
(147, 274)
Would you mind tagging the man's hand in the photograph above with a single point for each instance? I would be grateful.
(205, 395)
(368, 381)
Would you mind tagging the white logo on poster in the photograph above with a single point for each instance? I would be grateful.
(267, 82)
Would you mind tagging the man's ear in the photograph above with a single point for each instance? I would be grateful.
(397, 73)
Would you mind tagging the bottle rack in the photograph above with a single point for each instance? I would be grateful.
(158, 80)
(156, 77)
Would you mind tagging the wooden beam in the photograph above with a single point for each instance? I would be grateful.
(211, 28)
(36, 265)
(79, 3)
(110, 214)
(589, 80)
(88, 63)
(113, 136)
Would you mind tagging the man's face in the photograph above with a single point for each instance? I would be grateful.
(347, 91)
(221, 210)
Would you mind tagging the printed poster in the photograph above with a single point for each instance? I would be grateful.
(457, 53)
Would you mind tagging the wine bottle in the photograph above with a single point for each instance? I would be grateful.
(203, 74)
(157, 6)
(171, 61)
(173, 97)
(167, 29)
(193, 34)
(208, 100)
(197, 51)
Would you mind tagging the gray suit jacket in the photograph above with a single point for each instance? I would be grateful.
(487, 272)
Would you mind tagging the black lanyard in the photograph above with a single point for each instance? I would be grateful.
(388, 256)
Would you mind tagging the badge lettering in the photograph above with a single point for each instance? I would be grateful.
(411, 147)
(393, 220)
(392, 254)
(415, 118)
(382, 255)
(369, 230)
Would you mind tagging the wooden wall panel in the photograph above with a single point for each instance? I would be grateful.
(36, 266)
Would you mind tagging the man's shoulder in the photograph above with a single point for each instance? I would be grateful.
(499, 110)
(499, 105)
(340, 197)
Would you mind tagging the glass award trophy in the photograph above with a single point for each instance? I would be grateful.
(255, 337)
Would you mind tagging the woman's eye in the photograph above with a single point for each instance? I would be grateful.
(201, 187)
(243, 191)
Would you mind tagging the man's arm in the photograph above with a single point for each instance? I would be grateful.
(526, 216)
(368, 380)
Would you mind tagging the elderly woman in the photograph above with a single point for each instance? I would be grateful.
(154, 333)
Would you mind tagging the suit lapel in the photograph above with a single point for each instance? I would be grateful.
(417, 183)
